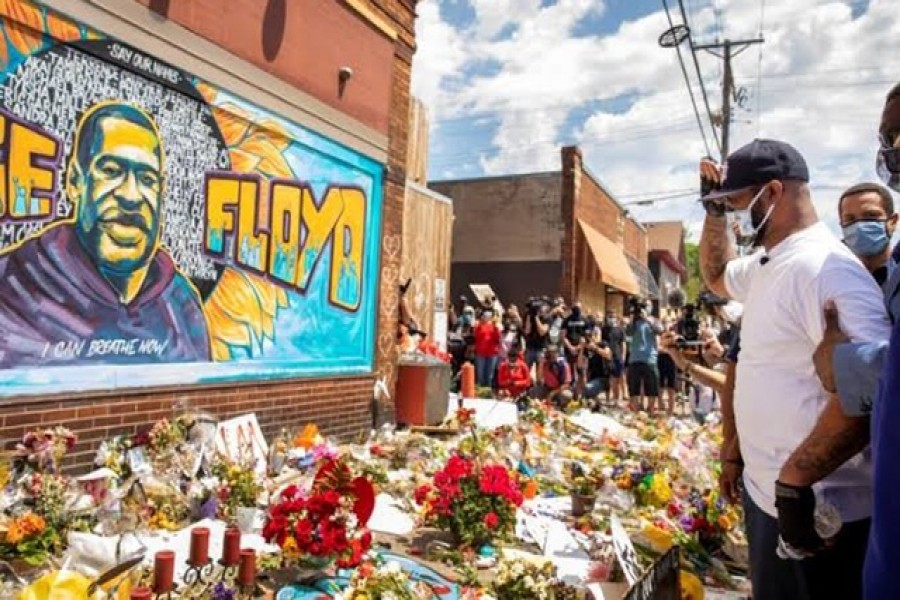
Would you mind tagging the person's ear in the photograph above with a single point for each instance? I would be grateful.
(74, 182)
(891, 224)
(776, 190)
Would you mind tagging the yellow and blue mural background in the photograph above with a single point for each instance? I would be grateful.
(265, 259)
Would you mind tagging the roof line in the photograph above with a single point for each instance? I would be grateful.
(495, 177)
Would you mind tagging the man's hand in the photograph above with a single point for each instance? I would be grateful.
(668, 343)
(796, 507)
(823, 355)
(729, 480)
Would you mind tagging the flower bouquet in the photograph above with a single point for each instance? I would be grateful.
(42, 450)
(520, 579)
(239, 489)
(326, 525)
(29, 538)
(476, 503)
(371, 581)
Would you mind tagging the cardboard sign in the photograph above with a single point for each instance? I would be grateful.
(242, 441)
(483, 292)
(439, 330)
(625, 551)
(661, 581)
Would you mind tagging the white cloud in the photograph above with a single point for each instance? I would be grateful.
(824, 76)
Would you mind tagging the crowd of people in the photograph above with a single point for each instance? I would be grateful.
(804, 375)
(563, 354)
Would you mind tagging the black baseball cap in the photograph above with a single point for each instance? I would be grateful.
(758, 163)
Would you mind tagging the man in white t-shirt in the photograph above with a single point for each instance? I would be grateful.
(798, 447)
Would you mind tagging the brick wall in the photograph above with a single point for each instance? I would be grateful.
(341, 406)
(491, 213)
(636, 243)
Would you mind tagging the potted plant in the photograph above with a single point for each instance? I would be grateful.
(239, 489)
(583, 486)
(473, 501)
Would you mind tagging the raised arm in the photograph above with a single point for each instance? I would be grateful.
(716, 249)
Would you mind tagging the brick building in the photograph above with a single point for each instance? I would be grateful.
(302, 99)
(559, 232)
(667, 258)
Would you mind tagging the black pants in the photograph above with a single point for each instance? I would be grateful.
(834, 573)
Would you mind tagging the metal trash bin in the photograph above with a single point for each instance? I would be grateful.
(423, 390)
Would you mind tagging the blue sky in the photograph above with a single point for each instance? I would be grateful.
(508, 82)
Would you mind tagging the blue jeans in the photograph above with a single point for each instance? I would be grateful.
(485, 366)
(833, 573)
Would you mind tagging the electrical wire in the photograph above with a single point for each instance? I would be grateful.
(687, 81)
(762, 20)
(699, 76)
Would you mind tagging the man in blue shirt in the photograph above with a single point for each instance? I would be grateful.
(853, 371)
(643, 376)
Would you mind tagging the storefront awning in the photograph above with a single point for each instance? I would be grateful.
(649, 288)
(611, 261)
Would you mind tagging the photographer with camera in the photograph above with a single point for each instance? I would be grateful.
(614, 335)
(534, 329)
(593, 362)
(574, 328)
(643, 376)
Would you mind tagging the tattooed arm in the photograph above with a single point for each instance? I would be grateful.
(834, 440)
(716, 249)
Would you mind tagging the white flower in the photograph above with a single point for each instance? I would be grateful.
(529, 581)
(393, 568)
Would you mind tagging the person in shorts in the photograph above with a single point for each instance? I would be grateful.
(643, 376)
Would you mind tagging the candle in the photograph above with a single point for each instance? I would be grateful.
(141, 593)
(247, 573)
(231, 555)
(163, 571)
(199, 547)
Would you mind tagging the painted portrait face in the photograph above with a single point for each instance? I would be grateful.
(116, 179)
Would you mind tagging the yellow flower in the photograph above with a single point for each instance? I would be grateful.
(691, 586)
(15, 533)
(290, 546)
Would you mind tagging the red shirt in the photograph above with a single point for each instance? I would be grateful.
(487, 339)
(515, 378)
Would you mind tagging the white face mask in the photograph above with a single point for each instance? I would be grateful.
(733, 311)
(740, 222)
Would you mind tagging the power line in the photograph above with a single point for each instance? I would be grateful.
(699, 76)
(762, 20)
(687, 81)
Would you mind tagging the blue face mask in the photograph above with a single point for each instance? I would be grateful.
(866, 238)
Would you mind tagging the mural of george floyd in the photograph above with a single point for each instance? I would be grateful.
(163, 239)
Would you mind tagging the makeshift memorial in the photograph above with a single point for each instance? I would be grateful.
(473, 501)
(327, 525)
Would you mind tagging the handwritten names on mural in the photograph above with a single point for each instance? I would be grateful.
(51, 90)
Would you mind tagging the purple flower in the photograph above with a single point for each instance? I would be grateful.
(209, 509)
(221, 592)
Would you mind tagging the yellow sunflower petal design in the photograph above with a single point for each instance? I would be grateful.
(61, 28)
(24, 25)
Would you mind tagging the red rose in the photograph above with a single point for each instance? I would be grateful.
(491, 520)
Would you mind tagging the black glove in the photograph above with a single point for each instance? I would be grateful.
(796, 517)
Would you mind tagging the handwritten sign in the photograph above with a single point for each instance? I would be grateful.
(625, 551)
(661, 581)
(242, 441)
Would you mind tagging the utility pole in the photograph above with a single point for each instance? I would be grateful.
(731, 49)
